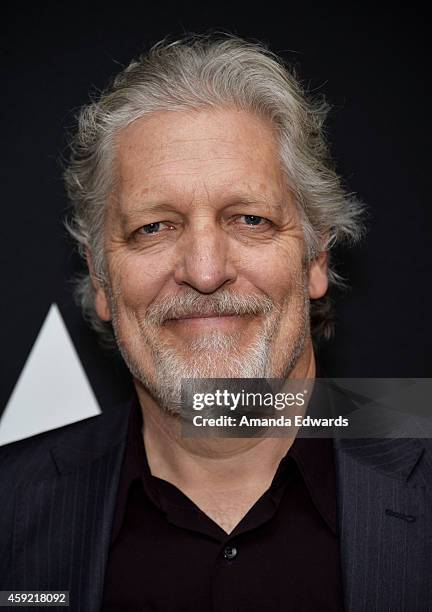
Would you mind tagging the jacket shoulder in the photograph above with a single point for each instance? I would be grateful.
(31, 457)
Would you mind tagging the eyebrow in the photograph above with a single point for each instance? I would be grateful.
(252, 200)
(143, 208)
(146, 207)
(234, 200)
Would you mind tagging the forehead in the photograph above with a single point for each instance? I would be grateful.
(219, 151)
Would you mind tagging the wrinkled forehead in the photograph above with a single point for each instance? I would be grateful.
(214, 156)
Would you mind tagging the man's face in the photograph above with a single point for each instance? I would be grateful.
(204, 253)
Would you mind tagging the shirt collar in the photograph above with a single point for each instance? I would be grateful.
(314, 458)
(135, 465)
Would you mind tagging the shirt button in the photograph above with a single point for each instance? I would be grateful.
(230, 552)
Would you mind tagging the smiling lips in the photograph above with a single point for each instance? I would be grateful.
(201, 321)
(199, 315)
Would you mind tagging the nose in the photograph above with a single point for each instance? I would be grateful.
(204, 261)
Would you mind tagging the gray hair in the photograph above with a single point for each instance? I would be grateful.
(211, 71)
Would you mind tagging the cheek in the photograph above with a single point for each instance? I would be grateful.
(138, 280)
(277, 272)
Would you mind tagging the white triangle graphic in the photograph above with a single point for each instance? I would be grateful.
(52, 390)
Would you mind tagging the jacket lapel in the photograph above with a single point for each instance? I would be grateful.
(63, 518)
(62, 524)
(385, 521)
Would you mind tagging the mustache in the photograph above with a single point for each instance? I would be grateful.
(219, 304)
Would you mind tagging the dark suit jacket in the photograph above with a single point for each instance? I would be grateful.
(58, 493)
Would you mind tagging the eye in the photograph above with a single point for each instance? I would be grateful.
(252, 225)
(252, 219)
(152, 228)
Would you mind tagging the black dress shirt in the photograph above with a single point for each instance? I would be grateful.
(167, 555)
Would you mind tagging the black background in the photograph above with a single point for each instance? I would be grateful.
(371, 65)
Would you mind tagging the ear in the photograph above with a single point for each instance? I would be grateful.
(318, 278)
(101, 302)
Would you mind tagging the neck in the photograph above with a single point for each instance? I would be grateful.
(187, 462)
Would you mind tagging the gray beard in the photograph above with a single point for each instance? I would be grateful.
(214, 355)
